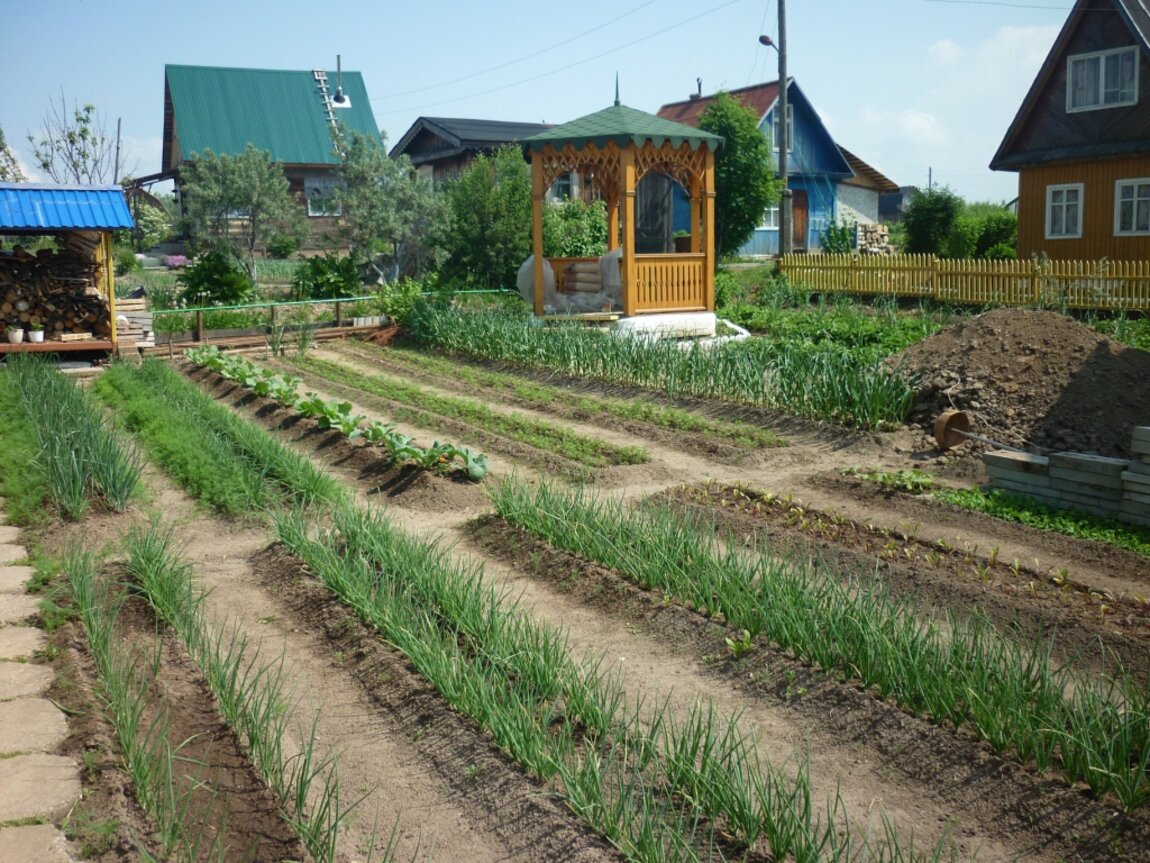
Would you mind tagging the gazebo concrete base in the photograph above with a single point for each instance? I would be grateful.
(670, 324)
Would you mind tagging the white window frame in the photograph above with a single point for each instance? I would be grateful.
(1048, 210)
(770, 220)
(1101, 58)
(324, 206)
(1134, 183)
(790, 128)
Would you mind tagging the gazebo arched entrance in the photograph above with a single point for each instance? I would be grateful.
(616, 148)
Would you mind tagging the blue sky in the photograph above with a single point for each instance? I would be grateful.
(910, 86)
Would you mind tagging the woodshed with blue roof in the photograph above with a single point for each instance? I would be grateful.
(67, 292)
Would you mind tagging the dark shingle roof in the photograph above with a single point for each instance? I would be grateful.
(463, 134)
(282, 112)
(33, 206)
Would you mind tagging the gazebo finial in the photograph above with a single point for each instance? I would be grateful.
(616, 88)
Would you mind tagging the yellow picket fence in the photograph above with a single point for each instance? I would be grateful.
(1052, 284)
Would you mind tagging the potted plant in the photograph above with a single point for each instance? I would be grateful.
(36, 332)
(682, 241)
(15, 334)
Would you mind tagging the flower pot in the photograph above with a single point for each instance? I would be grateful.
(682, 244)
(15, 336)
(35, 335)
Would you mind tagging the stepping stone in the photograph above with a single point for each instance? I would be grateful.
(23, 679)
(36, 843)
(8, 533)
(31, 725)
(38, 786)
(13, 578)
(10, 553)
(21, 642)
(16, 607)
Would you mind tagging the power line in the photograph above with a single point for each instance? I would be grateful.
(525, 57)
(556, 71)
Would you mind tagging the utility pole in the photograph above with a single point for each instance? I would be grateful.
(781, 110)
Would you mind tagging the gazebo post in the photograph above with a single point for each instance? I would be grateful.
(613, 224)
(708, 249)
(697, 205)
(627, 182)
(537, 192)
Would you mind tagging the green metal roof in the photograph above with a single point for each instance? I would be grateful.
(282, 112)
(624, 126)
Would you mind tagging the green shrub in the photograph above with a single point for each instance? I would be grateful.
(395, 299)
(282, 246)
(326, 276)
(726, 288)
(838, 238)
(126, 261)
(573, 229)
(215, 279)
(997, 235)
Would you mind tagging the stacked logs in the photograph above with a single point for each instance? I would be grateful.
(55, 288)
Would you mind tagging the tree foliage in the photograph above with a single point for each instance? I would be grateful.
(235, 204)
(939, 222)
(10, 170)
(745, 181)
(389, 213)
(573, 229)
(74, 148)
(490, 228)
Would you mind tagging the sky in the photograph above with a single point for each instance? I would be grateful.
(922, 90)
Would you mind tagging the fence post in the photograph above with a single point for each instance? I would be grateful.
(338, 313)
(199, 325)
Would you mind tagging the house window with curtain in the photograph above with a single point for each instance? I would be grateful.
(320, 193)
(790, 128)
(1064, 211)
(770, 218)
(1106, 79)
(1132, 207)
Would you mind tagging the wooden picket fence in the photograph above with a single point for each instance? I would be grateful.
(1041, 283)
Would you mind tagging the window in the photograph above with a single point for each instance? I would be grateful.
(1132, 206)
(790, 128)
(321, 196)
(770, 218)
(1063, 211)
(1106, 79)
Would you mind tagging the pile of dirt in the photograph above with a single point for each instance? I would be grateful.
(1033, 379)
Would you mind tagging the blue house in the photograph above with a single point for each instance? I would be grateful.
(826, 184)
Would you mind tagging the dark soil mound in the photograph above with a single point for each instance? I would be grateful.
(1037, 379)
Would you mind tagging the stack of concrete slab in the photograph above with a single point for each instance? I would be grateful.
(1111, 487)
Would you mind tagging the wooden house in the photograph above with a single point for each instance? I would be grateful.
(1081, 139)
(826, 182)
(288, 114)
(67, 292)
(441, 147)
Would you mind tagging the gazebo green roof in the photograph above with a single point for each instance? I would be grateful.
(624, 126)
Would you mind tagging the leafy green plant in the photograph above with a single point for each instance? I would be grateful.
(215, 278)
(741, 645)
(913, 481)
(838, 238)
(326, 276)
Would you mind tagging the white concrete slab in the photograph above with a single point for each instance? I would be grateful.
(24, 679)
(11, 552)
(31, 725)
(37, 786)
(13, 578)
(21, 642)
(17, 607)
(35, 843)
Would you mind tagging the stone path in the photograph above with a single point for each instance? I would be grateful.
(37, 788)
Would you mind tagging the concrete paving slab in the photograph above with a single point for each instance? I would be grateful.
(13, 578)
(21, 642)
(16, 607)
(31, 725)
(10, 552)
(38, 786)
(8, 533)
(36, 843)
(23, 679)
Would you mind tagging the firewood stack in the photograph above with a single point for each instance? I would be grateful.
(57, 289)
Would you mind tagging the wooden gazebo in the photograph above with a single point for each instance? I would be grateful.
(617, 147)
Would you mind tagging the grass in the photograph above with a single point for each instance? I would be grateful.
(564, 401)
(233, 466)
(23, 491)
(823, 383)
(960, 672)
(1024, 510)
(424, 406)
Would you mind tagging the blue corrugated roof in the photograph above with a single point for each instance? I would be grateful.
(32, 206)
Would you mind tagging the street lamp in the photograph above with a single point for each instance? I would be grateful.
(784, 139)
